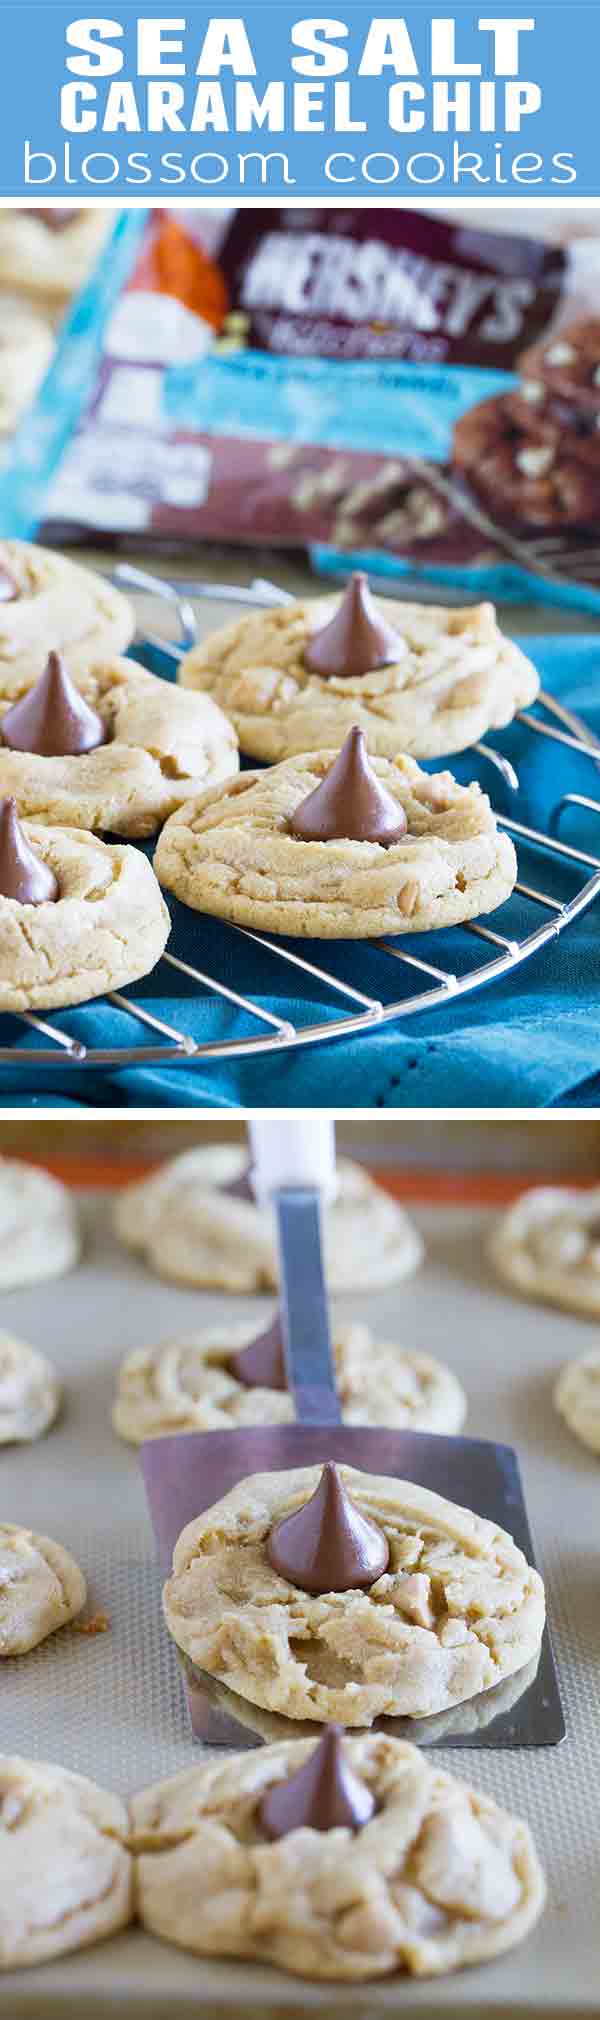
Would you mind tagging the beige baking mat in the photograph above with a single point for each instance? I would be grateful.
(112, 1707)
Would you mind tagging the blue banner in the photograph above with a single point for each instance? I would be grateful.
(140, 104)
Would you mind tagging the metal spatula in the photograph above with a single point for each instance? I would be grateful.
(187, 1473)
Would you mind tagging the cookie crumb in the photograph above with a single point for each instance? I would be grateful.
(99, 1623)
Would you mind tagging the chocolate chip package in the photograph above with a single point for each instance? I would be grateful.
(418, 394)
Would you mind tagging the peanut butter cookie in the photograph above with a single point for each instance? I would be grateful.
(234, 853)
(438, 1876)
(189, 1385)
(456, 1609)
(451, 676)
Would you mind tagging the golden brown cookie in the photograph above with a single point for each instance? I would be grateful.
(457, 1609)
(438, 1878)
(108, 926)
(232, 853)
(162, 747)
(457, 676)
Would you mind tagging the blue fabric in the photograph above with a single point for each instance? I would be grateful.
(531, 1039)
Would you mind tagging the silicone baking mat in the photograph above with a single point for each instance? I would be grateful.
(111, 1706)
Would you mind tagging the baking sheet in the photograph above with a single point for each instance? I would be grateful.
(112, 1706)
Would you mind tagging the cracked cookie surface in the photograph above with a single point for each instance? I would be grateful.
(548, 1247)
(109, 924)
(60, 607)
(162, 746)
(29, 1392)
(40, 1234)
(188, 1230)
(186, 1385)
(65, 1870)
(458, 677)
(457, 1610)
(41, 1588)
(231, 854)
(440, 1877)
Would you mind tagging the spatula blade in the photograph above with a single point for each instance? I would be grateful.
(187, 1473)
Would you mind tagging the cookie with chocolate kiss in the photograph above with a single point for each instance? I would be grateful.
(23, 875)
(56, 219)
(357, 638)
(52, 719)
(323, 1795)
(327, 1545)
(350, 804)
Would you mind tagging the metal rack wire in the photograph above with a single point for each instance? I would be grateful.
(172, 1046)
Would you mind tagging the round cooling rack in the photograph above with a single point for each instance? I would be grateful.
(427, 984)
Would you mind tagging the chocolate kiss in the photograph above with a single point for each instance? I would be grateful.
(349, 804)
(356, 640)
(53, 719)
(55, 219)
(324, 1795)
(22, 875)
(328, 1546)
(261, 1365)
(240, 1188)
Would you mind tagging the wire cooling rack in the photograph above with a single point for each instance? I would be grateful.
(427, 985)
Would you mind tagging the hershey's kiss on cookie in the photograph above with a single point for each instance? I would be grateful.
(350, 804)
(240, 1188)
(324, 1794)
(261, 1365)
(356, 640)
(327, 1545)
(52, 719)
(56, 219)
(23, 875)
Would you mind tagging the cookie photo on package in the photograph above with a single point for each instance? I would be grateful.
(384, 386)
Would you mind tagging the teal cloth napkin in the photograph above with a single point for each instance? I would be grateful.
(532, 1039)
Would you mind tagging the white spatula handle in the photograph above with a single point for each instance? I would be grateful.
(292, 1151)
